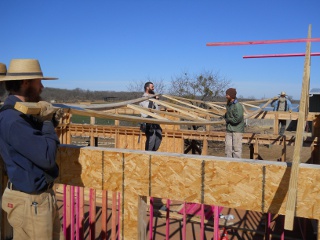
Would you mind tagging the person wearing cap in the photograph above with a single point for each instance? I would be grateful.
(153, 132)
(281, 103)
(234, 125)
(28, 149)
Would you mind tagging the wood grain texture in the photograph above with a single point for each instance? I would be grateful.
(242, 184)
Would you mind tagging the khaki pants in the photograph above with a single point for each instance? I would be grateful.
(233, 145)
(32, 216)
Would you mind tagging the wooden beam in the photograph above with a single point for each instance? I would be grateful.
(281, 55)
(178, 109)
(185, 103)
(308, 40)
(146, 111)
(294, 176)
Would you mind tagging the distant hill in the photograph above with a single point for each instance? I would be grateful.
(81, 95)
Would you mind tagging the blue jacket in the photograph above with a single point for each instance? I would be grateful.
(275, 104)
(28, 148)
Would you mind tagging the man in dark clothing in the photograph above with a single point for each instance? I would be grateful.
(235, 125)
(153, 131)
(28, 146)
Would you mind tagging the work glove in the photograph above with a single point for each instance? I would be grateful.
(46, 111)
(58, 114)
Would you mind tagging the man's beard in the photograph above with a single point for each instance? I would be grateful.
(150, 91)
(31, 95)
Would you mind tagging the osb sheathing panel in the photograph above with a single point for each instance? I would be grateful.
(244, 184)
(176, 177)
(233, 184)
(70, 168)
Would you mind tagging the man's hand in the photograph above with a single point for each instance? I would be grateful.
(46, 112)
(58, 114)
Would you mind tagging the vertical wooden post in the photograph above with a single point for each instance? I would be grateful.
(284, 149)
(114, 216)
(66, 208)
(104, 215)
(116, 139)
(276, 123)
(92, 214)
(92, 122)
(205, 139)
(256, 149)
(68, 134)
(316, 133)
(142, 224)
(294, 176)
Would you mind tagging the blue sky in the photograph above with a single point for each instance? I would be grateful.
(105, 45)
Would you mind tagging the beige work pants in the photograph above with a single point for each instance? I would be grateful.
(233, 144)
(32, 216)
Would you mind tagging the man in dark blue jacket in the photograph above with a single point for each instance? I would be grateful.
(28, 146)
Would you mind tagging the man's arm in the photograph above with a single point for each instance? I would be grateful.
(39, 146)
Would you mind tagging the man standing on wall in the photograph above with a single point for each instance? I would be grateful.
(153, 131)
(282, 104)
(235, 125)
(28, 148)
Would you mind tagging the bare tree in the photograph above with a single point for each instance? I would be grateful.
(137, 87)
(204, 86)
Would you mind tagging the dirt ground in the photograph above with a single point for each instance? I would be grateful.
(266, 152)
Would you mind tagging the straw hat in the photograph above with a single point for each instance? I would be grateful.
(3, 70)
(24, 69)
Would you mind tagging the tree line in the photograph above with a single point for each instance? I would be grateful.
(205, 86)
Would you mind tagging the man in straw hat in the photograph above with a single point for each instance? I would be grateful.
(28, 148)
(235, 125)
(283, 104)
(3, 71)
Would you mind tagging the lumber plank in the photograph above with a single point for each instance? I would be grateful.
(145, 111)
(294, 176)
(177, 108)
(185, 103)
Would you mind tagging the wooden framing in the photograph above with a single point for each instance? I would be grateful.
(244, 184)
(303, 112)
(267, 187)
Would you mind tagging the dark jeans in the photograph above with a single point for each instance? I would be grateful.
(154, 137)
(282, 129)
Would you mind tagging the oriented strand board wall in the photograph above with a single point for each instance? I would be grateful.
(243, 184)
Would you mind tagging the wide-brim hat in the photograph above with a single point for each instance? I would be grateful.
(3, 70)
(25, 69)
